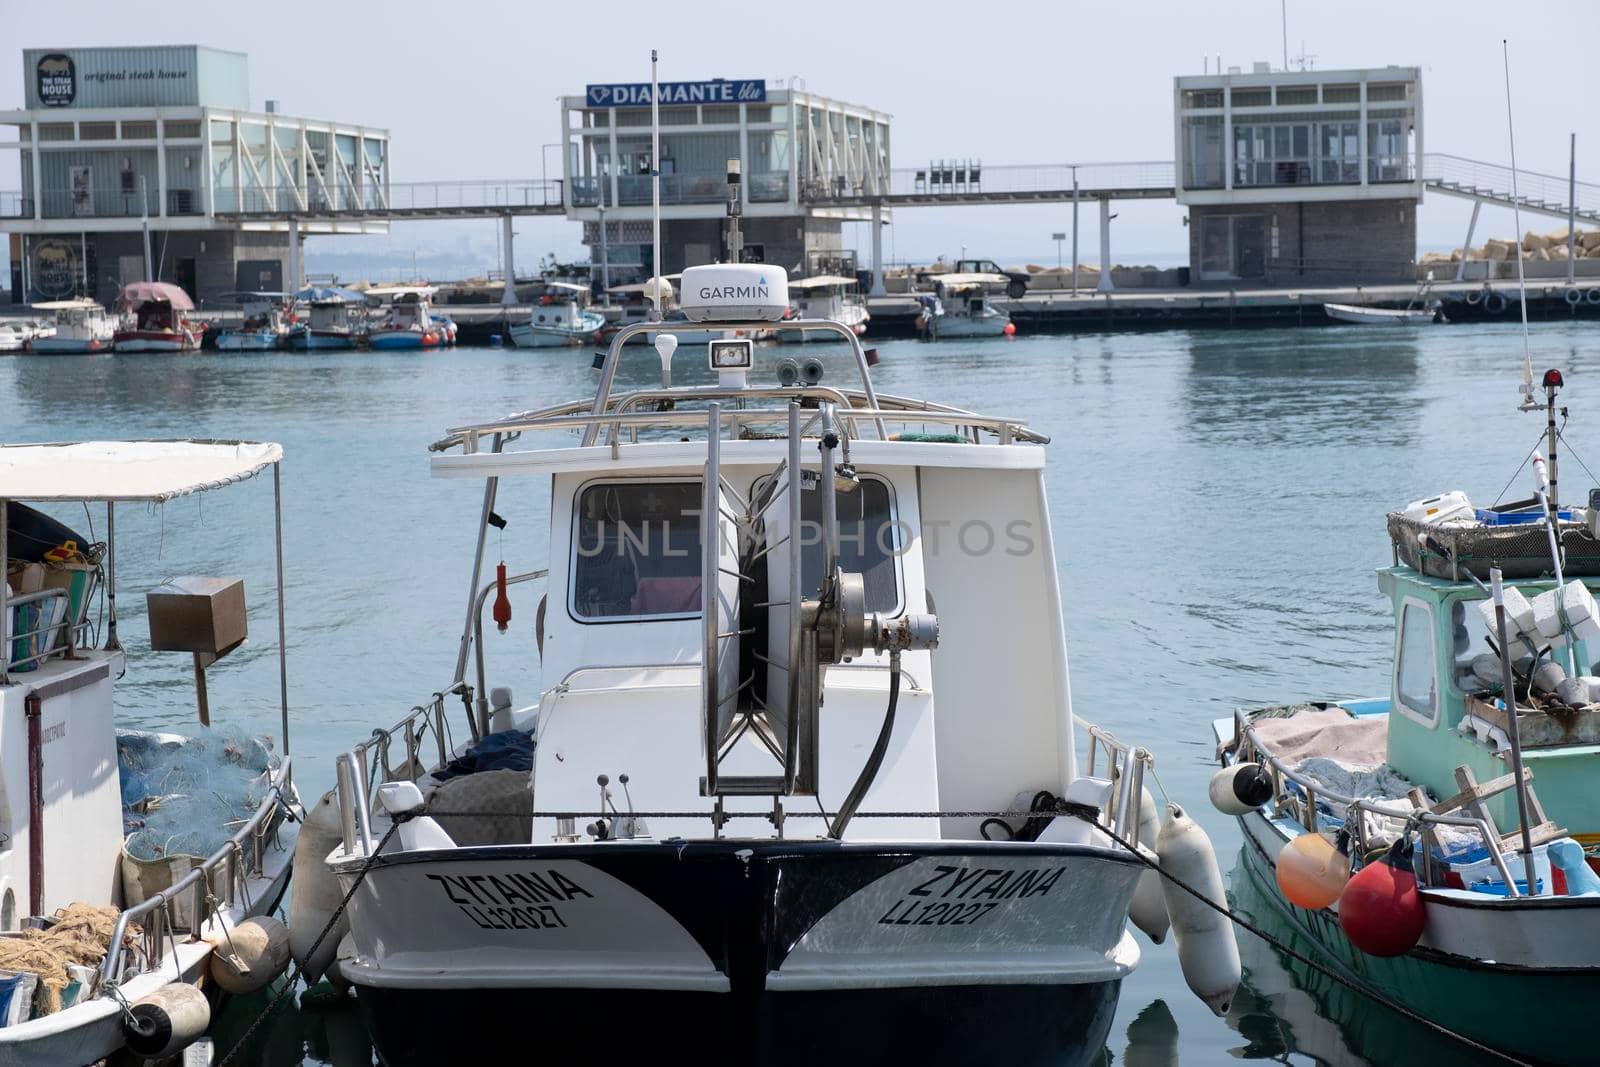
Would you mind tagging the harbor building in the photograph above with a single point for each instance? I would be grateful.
(155, 151)
(1300, 177)
(797, 149)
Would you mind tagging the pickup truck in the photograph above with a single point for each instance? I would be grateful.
(1015, 288)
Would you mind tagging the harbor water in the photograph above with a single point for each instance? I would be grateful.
(1217, 500)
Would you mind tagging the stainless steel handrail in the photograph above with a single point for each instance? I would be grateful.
(1127, 764)
(201, 878)
(1005, 428)
(1244, 735)
(608, 372)
(477, 640)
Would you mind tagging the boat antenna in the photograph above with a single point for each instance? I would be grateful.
(655, 187)
(1516, 215)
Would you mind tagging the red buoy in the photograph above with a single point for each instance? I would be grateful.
(1010, 330)
(1380, 909)
(502, 603)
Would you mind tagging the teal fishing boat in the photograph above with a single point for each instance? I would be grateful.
(1434, 847)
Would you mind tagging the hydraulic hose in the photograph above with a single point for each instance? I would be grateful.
(870, 771)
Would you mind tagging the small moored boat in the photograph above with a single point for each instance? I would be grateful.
(1422, 308)
(334, 318)
(155, 318)
(264, 328)
(766, 783)
(959, 306)
(138, 866)
(81, 327)
(1432, 844)
(408, 323)
(827, 296)
(561, 317)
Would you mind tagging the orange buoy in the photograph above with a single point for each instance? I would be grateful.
(502, 603)
(1010, 330)
(1311, 872)
(1380, 909)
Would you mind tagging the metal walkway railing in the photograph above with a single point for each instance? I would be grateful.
(1490, 183)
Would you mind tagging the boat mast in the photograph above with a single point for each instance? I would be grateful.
(655, 186)
(1516, 215)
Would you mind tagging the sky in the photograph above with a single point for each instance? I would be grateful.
(470, 89)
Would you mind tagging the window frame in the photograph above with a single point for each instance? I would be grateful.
(1431, 718)
(901, 546)
(572, 552)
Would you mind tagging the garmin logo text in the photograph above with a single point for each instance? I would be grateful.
(734, 292)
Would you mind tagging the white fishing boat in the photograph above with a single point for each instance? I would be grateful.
(765, 784)
(16, 333)
(264, 328)
(1423, 308)
(155, 318)
(80, 327)
(827, 296)
(135, 866)
(334, 318)
(959, 306)
(561, 318)
(408, 322)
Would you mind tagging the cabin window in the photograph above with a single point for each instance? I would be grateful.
(869, 541)
(636, 551)
(1415, 686)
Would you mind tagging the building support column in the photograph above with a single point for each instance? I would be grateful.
(1105, 285)
(507, 262)
(1461, 265)
(1075, 201)
(294, 279)
(877, 249)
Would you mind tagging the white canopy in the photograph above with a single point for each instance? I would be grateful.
(821, 281)
(963, 281)
(128, 470)
(65, 305)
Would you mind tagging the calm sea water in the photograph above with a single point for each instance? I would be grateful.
(1218, 499)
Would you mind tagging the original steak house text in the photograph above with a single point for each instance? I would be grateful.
(511, 901)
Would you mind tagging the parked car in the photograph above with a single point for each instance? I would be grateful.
(1016, 286)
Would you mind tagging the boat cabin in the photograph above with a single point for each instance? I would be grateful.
(687, 687)
(78, 318)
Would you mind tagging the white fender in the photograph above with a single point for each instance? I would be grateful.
(250, 954)
(1148, 910)
(1207, 951)
(314, 892)
(418, 832)
(171, 1018)
(1241, 788)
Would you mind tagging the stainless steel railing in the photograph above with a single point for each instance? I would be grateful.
(155, 915)
(1304, 807)
(1125, 766)
(482, 727)
(71, 635)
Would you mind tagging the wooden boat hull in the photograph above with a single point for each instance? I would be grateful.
(944, 327)
(155, 341)
(919, 941)
(402, 340)
(321, 339)
(248, 341)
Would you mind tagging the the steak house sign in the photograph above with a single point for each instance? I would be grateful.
(57, 80)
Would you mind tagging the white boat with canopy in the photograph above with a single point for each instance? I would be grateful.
(119, 892)
(561, 318)
(81, 327)
(959, 306)
(802, 752)
(827, 296)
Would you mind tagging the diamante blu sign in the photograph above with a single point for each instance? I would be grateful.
(715, 91)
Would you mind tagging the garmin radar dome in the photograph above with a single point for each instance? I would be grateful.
(734, 292)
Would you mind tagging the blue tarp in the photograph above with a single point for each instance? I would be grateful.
(509, 750)
(323, 293)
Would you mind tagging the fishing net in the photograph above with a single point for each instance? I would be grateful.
(188, 796)
(79, 938)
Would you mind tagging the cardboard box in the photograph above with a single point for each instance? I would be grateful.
(196, 614)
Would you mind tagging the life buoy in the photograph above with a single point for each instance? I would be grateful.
(1592, 296)
(1572, 297)
(1475, 297)
(1494, 303)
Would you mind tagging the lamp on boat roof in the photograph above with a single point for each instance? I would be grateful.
(666, 345)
